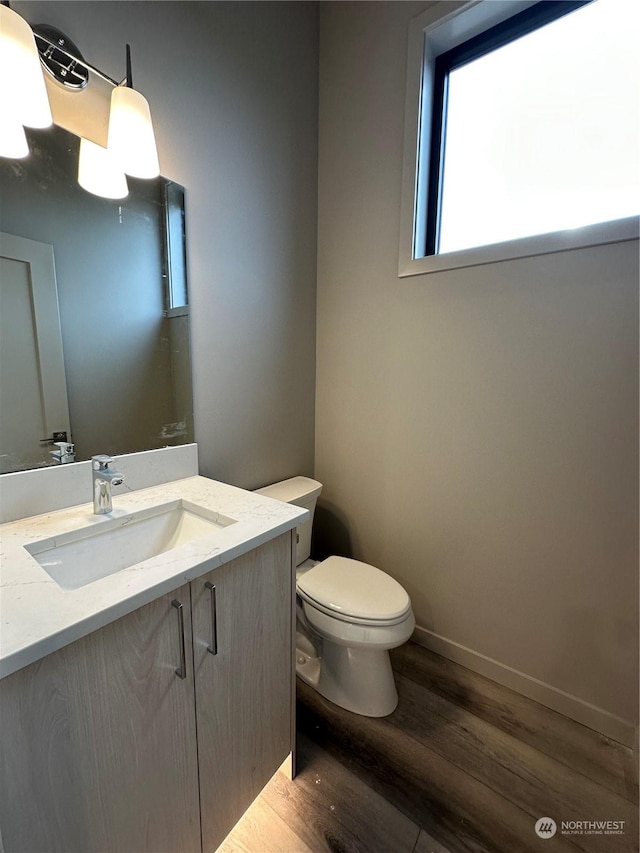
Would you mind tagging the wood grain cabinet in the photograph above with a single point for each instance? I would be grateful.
(243, 674)
(98, 746)
(98, 742)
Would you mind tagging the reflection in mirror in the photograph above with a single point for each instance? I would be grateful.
(111, 368)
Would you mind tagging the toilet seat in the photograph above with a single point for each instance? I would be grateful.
(356, 592)
(353, 620)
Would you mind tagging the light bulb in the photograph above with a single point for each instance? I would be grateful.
(23, 93)
(98, 173)
(131, 139)
(13, 140)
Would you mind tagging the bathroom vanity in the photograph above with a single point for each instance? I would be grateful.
(145, 709)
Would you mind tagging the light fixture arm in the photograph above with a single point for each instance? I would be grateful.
(46, 44)
(129, 75)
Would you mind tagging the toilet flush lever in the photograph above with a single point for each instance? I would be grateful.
(213, 648)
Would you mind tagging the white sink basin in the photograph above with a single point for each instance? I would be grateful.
(82, 556)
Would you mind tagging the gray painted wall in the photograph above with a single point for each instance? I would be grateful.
(233, 93)
(476, 430)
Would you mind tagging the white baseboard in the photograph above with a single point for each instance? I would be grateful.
(602, 721)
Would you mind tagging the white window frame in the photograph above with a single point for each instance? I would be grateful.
(430, 34)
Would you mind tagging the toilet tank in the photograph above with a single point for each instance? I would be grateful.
(300, 491)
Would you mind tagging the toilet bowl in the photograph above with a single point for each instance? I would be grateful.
(349, 615)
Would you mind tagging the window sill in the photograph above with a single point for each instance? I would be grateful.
(180, 311)
(617, 231)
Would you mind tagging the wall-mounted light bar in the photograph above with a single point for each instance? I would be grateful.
(24, 53)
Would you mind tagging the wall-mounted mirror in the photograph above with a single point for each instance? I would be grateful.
(118, 347)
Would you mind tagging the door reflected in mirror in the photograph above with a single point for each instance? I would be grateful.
(117, 274)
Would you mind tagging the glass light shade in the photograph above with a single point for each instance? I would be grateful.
(98, 173)
(13, 140)
(131, 139)
(23, 93)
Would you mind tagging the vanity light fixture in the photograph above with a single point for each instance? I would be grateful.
(131, 139)
(23, 96)
(131, 146)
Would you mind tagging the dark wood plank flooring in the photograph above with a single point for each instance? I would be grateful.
(463, 765)
(578, 747)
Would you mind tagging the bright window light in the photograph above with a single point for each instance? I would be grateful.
(542, 134)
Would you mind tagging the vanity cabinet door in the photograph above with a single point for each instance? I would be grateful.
(243, 691)
(98, 742)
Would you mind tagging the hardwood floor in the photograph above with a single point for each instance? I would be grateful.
(463, 765)
(326, 808)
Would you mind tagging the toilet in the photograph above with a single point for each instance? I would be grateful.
(349, 615)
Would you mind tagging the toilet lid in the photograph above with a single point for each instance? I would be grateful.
(351, 588)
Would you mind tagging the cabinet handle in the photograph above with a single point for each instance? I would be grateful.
(182, 671)
(213, 648)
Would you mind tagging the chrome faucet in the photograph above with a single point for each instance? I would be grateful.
(65, 452)
(103, 478)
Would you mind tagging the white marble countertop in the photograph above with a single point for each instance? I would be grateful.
(38, 617)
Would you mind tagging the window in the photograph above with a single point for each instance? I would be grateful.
(527, 127)
(175, 273)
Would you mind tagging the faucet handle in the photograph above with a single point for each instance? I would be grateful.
(101, 461)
